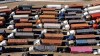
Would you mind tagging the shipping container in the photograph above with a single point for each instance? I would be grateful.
(6, 10)
(3, 14)
(80, 26)
(91, 12)
(73, 17)
(86, 36)
(10, 49)
(3, 7)
(95, 15)
(16, 17)
(85, 31)
(17, 41)
(37, 31)
(49, 21)
(86, 42)
(76, 21)
(53, 36)
(45, 48)
(24, 34)
(70, 13)
(22, 25)
(48, 9)
(77, 10)
(81, 49)
(27, 29)
(92, 41)
(47, 17)
(81, 42)
(24, 7)
(36, 7)
(52, 25)
(76, 6)
(23, 20)
(23, 12)
(50, 13)
(34, 10)
(51, 42)
(54, 6)
(92, 8)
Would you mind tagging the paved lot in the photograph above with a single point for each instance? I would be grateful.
(11, 5)
(37, 3)
(57, 0)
